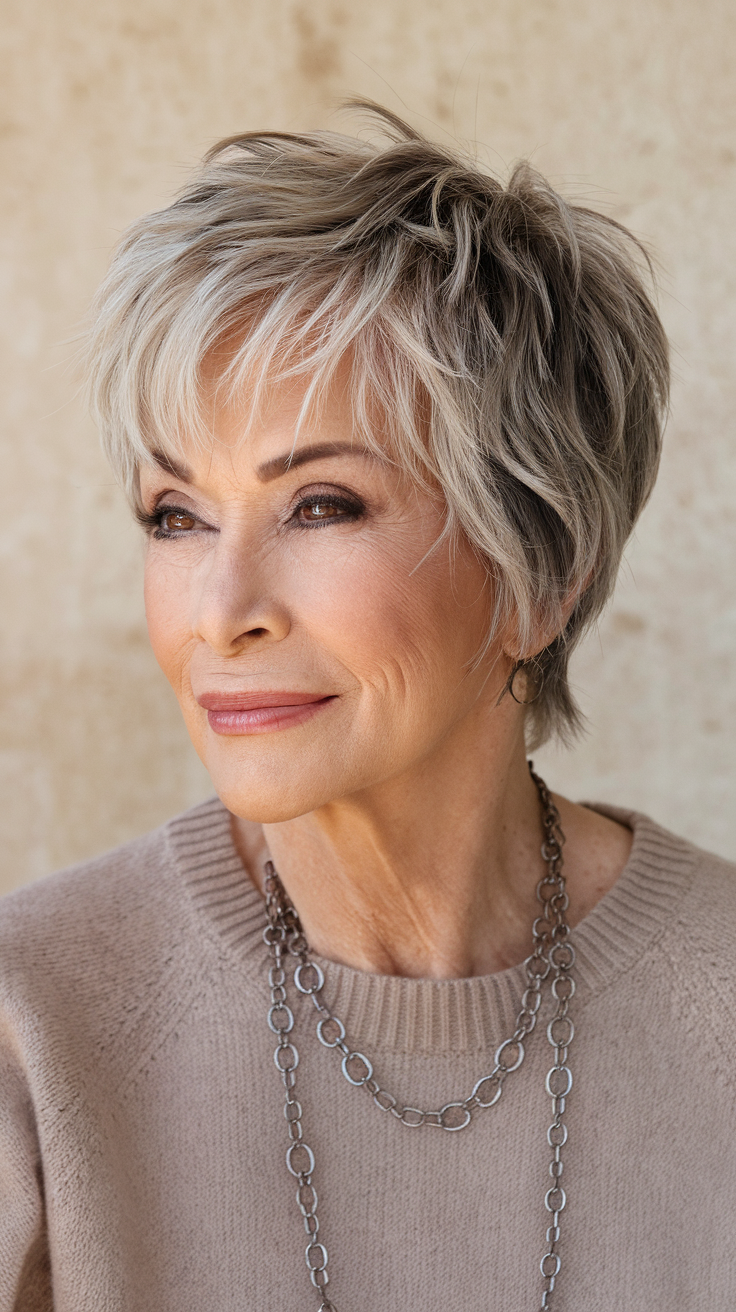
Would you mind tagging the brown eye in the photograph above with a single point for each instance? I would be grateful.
(173, 521)
(327, 508)
(320, 510)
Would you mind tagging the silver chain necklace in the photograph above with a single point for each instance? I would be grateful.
(552, 955)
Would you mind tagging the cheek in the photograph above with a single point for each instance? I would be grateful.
(393, 620)
(166, 602)
(167, 616)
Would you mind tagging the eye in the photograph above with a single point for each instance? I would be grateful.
(169, 522)
(312, 512)
(175, 521)
(319, 510)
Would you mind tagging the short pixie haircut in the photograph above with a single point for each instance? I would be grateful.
(501, 341)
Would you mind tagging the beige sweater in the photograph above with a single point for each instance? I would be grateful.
(142, 1137)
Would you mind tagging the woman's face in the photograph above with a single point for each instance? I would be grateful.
(319, 642)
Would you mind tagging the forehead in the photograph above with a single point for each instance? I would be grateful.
(269, 429)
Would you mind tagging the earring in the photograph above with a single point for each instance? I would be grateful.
(533, 678)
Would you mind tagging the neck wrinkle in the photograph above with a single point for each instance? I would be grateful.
(428, 1016)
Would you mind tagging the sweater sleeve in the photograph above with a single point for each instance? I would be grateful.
(25, 1283)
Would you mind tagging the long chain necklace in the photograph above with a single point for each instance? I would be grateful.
(552, 955)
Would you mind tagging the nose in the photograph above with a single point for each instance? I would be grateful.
(235, 603)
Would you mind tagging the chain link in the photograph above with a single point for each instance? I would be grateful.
(552, 953)
(552, 938)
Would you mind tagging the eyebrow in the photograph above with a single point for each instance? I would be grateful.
(170, 466)
(318, 451)
(279, 465)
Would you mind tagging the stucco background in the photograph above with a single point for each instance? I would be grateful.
(629, 104)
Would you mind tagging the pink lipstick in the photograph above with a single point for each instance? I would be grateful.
(260, 712)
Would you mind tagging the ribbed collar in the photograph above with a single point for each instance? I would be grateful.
(426, 1015)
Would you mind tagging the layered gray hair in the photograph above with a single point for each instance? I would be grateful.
(502, 344)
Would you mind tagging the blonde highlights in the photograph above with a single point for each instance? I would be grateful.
(504, 336)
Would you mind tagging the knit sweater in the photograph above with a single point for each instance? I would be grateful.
(143, 1139)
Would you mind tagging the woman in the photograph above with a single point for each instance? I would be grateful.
(388, 426)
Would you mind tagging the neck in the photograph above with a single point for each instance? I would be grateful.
(430, 874)
(434, 874)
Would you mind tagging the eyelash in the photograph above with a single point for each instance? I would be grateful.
(152, 521)
(352, 508)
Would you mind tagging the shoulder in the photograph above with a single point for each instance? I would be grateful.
(84, 902)
(90, 930)
(672, 911)
(660, 947)
(707, 881)
(706, 921)
(698, 955)
(701, 884)
(693, 894)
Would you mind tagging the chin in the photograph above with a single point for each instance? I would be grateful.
(268, 806)
(268, 791)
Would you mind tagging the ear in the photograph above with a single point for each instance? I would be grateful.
(545, 629)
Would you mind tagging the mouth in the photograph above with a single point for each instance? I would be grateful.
(234, 713)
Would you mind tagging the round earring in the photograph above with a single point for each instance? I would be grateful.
(533, 679)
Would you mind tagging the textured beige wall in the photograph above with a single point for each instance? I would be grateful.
(628, 103)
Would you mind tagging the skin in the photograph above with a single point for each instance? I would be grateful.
(398, 809)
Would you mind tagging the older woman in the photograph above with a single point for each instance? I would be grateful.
(320, 1042)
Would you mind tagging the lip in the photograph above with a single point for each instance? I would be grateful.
(239, 713)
